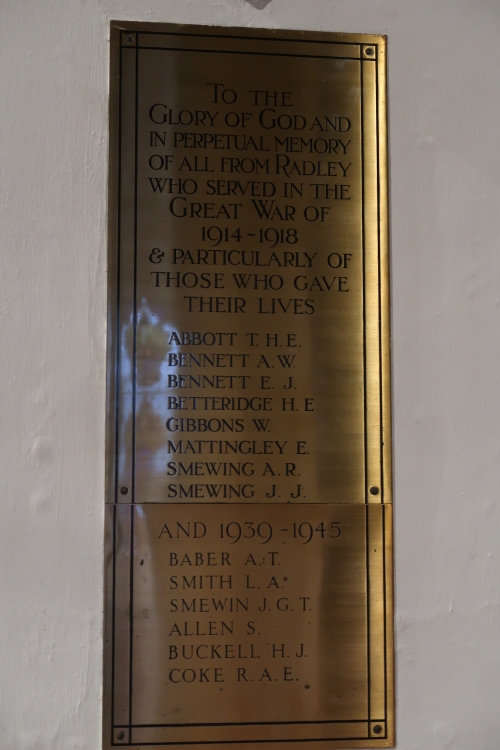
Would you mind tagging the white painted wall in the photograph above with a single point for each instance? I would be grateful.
(444, 78)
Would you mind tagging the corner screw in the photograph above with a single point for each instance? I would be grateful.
(377, 729)
(369, 51)
(121, 735)
(129, 39)
(374, 490)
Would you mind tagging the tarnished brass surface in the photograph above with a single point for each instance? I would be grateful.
(249, 577)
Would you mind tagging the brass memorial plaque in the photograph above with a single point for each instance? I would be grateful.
(249, 524)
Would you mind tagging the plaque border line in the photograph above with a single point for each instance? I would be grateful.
(365, 437)
(253, 38)
(245, 52)
(246, 724)
(117, 387)
(247, 742)
(361, 60)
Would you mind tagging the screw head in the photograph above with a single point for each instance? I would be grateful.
(121, 736)
(129, 39)
(374, 490)
(124, 490)
(369, 51)
(377, 729)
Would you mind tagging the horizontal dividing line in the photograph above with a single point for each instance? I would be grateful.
(118, 503)
(234, 36)
(360, 504)
(249, 723)
(242, 52)
(247, 742)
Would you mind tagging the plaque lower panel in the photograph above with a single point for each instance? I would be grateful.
(249, 624)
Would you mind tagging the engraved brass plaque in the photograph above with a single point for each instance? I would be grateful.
(249, 508)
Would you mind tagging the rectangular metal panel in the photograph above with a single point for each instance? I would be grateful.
(249, 594)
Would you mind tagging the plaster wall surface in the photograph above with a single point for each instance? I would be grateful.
(444, 96)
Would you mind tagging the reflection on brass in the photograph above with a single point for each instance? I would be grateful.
(249, 575)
